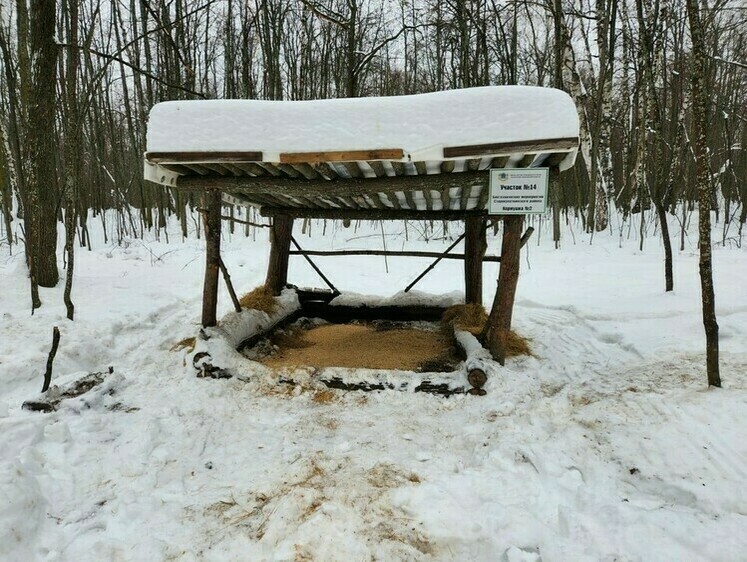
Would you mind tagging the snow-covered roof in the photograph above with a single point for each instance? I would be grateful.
(421, 125)
(250, 148)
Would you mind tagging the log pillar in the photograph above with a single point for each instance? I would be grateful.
(499, 322)
(212, 222)
(280, 240)
(475, 246)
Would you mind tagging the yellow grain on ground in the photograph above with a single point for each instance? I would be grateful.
(361, 346)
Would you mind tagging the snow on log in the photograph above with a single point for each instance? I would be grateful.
(412, 298)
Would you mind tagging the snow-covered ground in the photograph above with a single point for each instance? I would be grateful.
(606, 445)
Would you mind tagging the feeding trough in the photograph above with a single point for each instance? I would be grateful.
(347, 343)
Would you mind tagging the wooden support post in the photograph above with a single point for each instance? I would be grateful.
(555, 202)
(475, 246)
(499, 322)
(229, 286)
(211, 220)
(280, 240)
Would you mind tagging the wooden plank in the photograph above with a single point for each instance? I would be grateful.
(540, 145)
(340, 187)
(378, 168)
(399, 168)
(396, 253)
(288, 170)
(447, 166)
(178, 168)
(196, 168)
(410, 201)
(216, 168)
(325, 170)
(482, 203)
(203, 156)
(251, 169)
(285, 200)
(353, 169)
(473, 164)
(342, 156)
(347, 202)
(276, 200)
(392, 198)
(319, 202)
(342, 313)
(445, 200)
(428, 196)
(271, 169)
(525, 161)
(500, 161)
(376, 201)
(554, 159)
(421, 168)
(369, 214)
(306, 171)
(464, 197)
(235, 170)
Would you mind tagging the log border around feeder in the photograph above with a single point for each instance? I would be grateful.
(315, 303)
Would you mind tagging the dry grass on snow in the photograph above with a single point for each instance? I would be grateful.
(259, 299)
(472, 318)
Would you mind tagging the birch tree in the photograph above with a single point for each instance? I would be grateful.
(700, 124)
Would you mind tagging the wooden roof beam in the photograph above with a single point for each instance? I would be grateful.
(203, 156)
(370, 214)
(541, 145)
(331, 188)
(342, 156)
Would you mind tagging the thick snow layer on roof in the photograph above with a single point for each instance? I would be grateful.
(421, 125)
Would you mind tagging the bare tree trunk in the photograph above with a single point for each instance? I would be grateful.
(72, 153)
(667, 241)
(42, 180)
(212, 204)
(499, 321)
(475, 246)
(6, 191)
(280, 240)
(700, 122)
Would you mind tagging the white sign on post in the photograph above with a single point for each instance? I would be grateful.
(518, 191)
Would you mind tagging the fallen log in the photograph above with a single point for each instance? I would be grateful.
(51, 402)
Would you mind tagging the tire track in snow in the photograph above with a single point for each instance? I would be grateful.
(561, 337)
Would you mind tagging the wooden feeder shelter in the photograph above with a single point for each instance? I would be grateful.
(420, 157)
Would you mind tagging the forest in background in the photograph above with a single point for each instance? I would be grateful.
(79, 77)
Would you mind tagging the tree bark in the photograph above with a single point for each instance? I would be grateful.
(42, 184)
(72, 154)
(700, 122)
(280, 240)
(475, 246)
(667, 241)
(555, 202)
(212, 222)
(499, 321)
